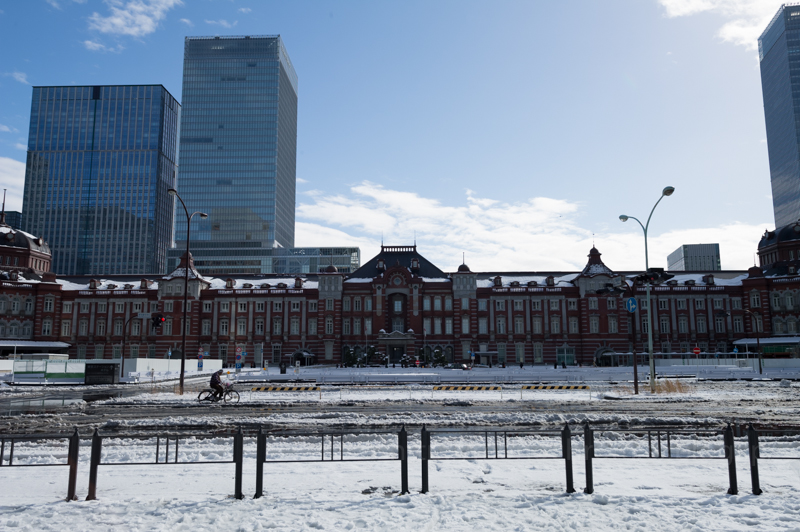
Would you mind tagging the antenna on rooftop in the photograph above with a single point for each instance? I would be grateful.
(3, 214)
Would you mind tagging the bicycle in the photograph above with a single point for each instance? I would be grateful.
(229, 395)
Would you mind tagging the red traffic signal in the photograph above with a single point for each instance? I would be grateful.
(158, 320)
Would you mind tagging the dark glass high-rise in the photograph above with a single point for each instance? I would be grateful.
(779, 54)
(238, 145)
(100, 161)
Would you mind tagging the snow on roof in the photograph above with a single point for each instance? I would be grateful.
(359, 280)
(7, 229)
(523, 280)
(596, 269)
(238, 284)
(180, 273)
(719, 279)
(106, 284)
(435, 279)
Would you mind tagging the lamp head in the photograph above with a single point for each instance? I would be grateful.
(668, 191)
(172, 192)
(203, 215)
(623, 218)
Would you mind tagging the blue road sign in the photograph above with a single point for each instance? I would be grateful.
(735, 350)
(630, 304)
(199, 364)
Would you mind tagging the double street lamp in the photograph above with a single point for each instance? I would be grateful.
(173, 192)
(666, 192)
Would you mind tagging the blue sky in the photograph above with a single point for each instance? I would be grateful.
(515, 132)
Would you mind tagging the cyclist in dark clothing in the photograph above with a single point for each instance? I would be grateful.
(216, 383)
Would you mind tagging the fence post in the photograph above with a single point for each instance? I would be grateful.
(72, 461)
(261, 456)
(94, 463)
(238, 455)
(402, 441)
(730, 454)
(752, 441)
(588, 451)
(425, 438)
(566, 451)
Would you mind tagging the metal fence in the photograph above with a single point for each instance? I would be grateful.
(754, 448)
(496, 447)
(97, 451)
(659, 446)
(436, 444)
(73, 442)
(335, 439)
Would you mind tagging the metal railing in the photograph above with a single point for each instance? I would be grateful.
(330, 455)
(656, 450)
(72, 454)
(487, 444)
(496, 448)
(97, 450)
(754, 450)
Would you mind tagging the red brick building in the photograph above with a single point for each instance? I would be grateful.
(402, 305)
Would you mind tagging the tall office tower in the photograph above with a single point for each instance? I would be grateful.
(780, 85)
(694, 258)
(100, 161)
(238, 148)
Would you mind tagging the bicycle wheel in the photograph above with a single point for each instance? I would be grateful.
(205, 395)
(231, 396)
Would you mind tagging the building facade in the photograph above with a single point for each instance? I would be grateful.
(780, 85)
(399, 306)
(695, 258)
(100, 160)
(238, 147)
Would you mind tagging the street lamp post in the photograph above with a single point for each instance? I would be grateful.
(666, 192)
(173, 192)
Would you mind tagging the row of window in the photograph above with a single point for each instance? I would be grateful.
(701, 325)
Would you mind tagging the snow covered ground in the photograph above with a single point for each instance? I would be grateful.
(473, 494)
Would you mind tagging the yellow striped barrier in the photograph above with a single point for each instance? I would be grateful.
(466, 388)
(564, 387)
(556, 387)
(286, 389)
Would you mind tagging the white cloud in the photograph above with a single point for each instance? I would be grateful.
(244, 10)
(21, 146)
(12, 177)
(6, 128)
(747, 18)
(132, 17)
(223, 23)
(538, 234)
(53, 3)
(301, 180)
(99, 47)
(187, 22)
(22, 77)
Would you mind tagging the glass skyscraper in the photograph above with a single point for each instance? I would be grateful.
(100, 161)
(779, 53)
(238, 147)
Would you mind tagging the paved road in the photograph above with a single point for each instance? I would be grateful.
(63, 412)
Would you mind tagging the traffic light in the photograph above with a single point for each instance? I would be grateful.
(654, 276)
(158, 320)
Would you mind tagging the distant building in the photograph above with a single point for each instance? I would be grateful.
(276, 260)
(780, 86)
(14, 219)
(238, 151)
(100, 161)
(694, 258)
(401, 307)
